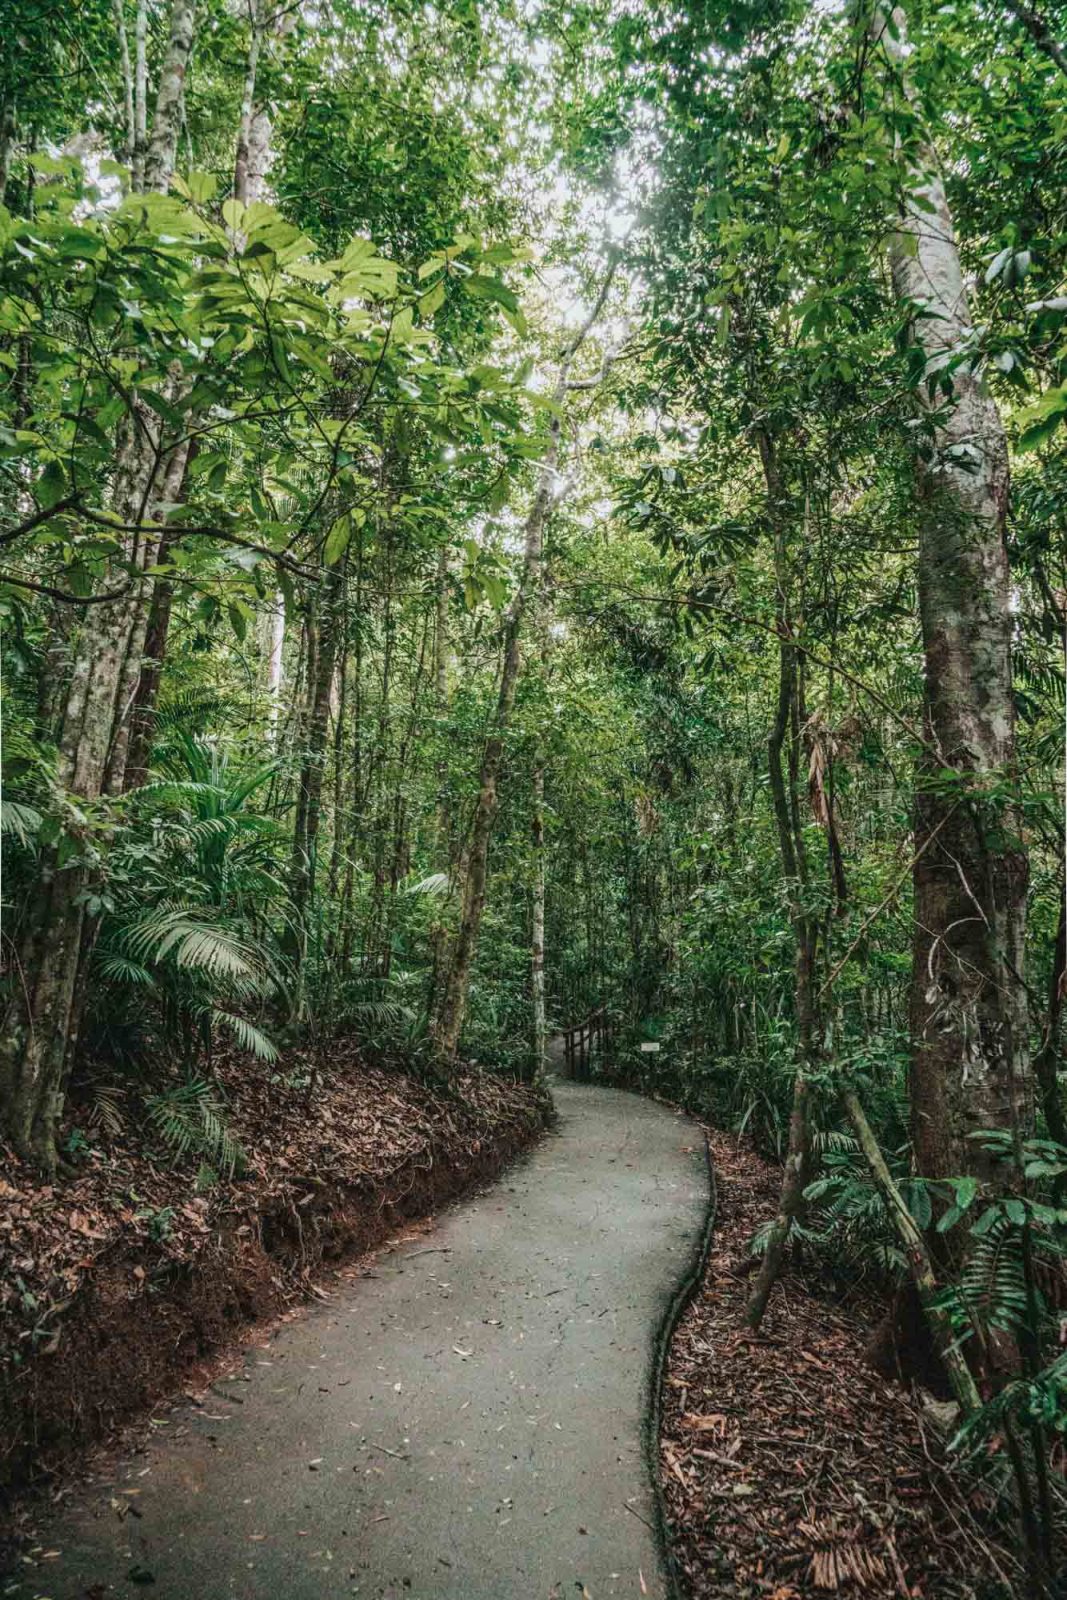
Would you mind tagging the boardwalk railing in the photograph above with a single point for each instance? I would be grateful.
(594, 1032)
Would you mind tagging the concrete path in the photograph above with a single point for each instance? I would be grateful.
(464, 1424)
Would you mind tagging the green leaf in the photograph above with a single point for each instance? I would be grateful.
(51, 485)
(432, 302)
(202, 186)
(337, 540)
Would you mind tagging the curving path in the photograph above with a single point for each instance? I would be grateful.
(465, 1423)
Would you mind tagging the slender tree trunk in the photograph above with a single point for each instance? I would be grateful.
(140, 96)
(313, 769)
(275, 659)
(119, 10)
(798, 1153)
(43, 1020)
(447, 1023)
(242, 163)
(1040, 32)
(145, 653)
(919, 1262)
(970, 1066)
(8, 135)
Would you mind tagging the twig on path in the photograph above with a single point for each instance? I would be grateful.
(638, 1515)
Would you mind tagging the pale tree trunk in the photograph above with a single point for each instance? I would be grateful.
(140, 96)
(447, 1023)
(970, 1065)
(248, 104)
(119, 10)
(43, 1018)
(8, 135)
(275, 666)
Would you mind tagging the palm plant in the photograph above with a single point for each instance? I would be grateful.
(192, 897)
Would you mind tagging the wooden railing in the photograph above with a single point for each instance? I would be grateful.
(594, 1032)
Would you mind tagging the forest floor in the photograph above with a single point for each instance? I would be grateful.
(462, 1418)
(117, 1280)
(791, 1469)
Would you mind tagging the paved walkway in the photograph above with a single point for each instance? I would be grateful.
(464, 1424)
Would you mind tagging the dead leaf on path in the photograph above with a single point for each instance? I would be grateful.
(713, 1422)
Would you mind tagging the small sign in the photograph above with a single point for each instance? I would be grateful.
(649, 1048)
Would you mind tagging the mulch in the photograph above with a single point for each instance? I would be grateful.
(117, 1279)
(790, 1468)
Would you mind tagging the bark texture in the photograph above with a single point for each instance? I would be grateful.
(968, 1008)
(43, 1017)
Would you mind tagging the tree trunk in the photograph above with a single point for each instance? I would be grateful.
(313, 769)
(447, 1023)
(42, 1020)
(130, 115)
(140, 97)
(970, 1065)
(452, 1005)
(794, 871)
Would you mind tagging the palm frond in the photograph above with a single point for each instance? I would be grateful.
(19, 819)
(248, 1036)
(191, 1121)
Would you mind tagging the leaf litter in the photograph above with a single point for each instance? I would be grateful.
(790, 1468)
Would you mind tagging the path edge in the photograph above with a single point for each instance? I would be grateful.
(675, 1309)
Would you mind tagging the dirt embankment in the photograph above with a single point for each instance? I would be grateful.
(114, 1282)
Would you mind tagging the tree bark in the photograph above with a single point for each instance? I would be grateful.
(119, 11)
(140, 96)
(970, 1066)
(1049, 1053)
(42, 1021)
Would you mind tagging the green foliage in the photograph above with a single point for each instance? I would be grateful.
(191, 1121)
